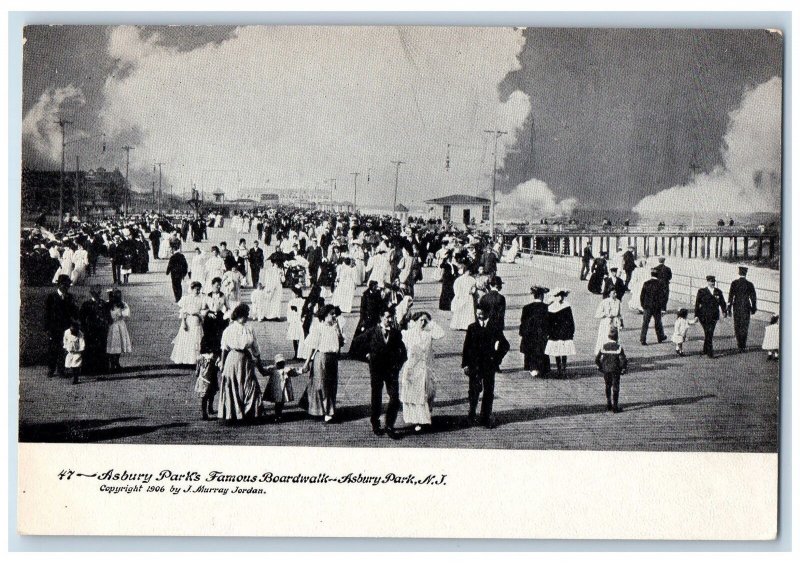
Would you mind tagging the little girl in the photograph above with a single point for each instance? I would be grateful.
(680, 330)
(293, 315)
(74, 344)
(772, 338)
(279, 388)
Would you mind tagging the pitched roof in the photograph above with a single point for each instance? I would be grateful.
(401, 208)
(457, 199)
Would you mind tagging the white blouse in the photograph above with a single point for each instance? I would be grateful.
(239, 337)
(324, 337)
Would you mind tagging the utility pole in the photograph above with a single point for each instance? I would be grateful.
(160, 193)
(333, 187)
(355, 188)
(397, 163)
(77, 195)
(62, 123)
(497, 135)
(126, 200)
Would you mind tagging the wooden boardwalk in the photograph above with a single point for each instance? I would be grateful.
(671, 403)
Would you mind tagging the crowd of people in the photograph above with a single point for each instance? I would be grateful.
(322, 258)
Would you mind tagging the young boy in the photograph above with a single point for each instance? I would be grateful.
(74, 344)
(612, 362)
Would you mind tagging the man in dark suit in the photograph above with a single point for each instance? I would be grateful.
(665, 275)
(489, 262)
(386, 354)
(613, 283)
(227, 256)
(741, 304)
(59, 312)
(95, 319)
(628, 266)
(256, 259)
(707, 307)
(484, 350)
(495, 303)
(586, 260)
(155, 241)
(177, 269)
(652, 299)
(314, 257)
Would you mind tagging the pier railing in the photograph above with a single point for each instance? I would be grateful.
(683, 287)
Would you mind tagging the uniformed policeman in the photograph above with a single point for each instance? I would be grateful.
(741, 304)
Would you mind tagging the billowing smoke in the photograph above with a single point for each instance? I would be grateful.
(291, 107)
(750, 178)
(532, 200)
(39, 126)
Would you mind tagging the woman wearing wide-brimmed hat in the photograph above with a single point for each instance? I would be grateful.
(534, 329)
(561, 326)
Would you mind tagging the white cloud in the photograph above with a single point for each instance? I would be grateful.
(296, 105)
(750, 178)
(40, 127)
(531, 200)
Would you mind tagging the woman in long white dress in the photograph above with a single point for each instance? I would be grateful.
(197, 271)
(80, 262)
(294, 332)
(258, 303)
(345, 286)
(357, 255)
(273, 286)
(609, 311)
(510, 256)
(232, 284)
(214, 266)
(186, 345)
(640, 275)
(463, 304)
(64, 262)
(118, 341)
(417, 378)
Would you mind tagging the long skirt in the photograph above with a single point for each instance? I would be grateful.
(186, 344)
(417, 391)
(323, 385)
(602, 331)
(538, 362)
(240, 396)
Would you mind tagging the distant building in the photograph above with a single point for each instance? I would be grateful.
(460, 209)
(401, 212)
(268, 199)
(219, 197)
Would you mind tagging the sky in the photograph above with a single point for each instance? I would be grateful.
(597, 119)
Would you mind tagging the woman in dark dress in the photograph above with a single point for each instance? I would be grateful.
(599, 273)
(561, 326)
(449, 275)
(534, 330)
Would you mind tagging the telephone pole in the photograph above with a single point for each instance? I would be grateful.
(77, 195)
(62, 123)
(127, 149)
(333, 187)
(397, 163)
(355, 188)
(159, 186)
(497, 135)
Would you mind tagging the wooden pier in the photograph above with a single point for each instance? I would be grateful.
(732, 243)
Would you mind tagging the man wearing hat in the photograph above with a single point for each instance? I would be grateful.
(59, 312)
(665, 275)
(652, 303)
(586, 260)
(613, 283)
(95, 319)
(707, 307)
(628, 265)
(495, 303)
(741, 304)
(177, 269)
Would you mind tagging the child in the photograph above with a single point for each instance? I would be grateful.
(74, 344)
(772, 338)
(207, 382)
(279, 388)
(612, 362)
(680, 330)
(293, 308)
(258, 300)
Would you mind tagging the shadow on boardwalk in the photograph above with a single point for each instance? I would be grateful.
(89, 430)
